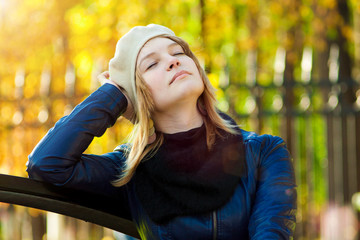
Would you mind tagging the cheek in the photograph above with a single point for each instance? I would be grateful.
(199, 79)
(155, 91)
(153, 78)
(155, 88)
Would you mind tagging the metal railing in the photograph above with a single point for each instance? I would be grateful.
(86, 206)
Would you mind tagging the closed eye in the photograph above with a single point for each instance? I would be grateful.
(151, 65)
(178, 53)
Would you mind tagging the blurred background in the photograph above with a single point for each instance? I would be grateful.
(285, 67)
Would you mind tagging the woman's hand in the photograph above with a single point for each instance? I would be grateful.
(129, 113)
(105, 78)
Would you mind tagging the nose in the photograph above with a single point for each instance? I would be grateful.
(173, 62)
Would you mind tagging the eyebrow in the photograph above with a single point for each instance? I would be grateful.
(153, 53)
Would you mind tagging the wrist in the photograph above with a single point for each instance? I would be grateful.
(117, 97)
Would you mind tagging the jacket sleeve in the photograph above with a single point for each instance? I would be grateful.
(58, 158)
(273, 214)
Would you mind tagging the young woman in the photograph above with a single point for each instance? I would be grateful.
(188, 171)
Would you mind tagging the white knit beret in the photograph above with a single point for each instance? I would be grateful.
(122, 65)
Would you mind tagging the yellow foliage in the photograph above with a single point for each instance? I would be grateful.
(107, 238)
(80, 21)
(31, 85)
(331, 4)
(347, 32)
(214, 79)
(105, 34)
(6, 113)
(83, 63)
(35, 212)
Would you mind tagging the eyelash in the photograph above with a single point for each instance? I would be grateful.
(153, 64)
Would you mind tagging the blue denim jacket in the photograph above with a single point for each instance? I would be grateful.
(262, 207)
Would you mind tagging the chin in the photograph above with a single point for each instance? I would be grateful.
(192, 91)
(172, 101)
(195, 86)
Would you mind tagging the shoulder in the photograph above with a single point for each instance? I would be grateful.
(260, 148)
(252, 137)
(263, 142)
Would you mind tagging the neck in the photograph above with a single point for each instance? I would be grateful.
(179, 120)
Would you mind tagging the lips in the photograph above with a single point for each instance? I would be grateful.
(179, 75)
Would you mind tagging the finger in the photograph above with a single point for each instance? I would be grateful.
(103, 76)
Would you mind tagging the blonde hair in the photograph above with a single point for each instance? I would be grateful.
(145, 105)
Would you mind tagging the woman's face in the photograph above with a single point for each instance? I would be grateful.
(171, 76)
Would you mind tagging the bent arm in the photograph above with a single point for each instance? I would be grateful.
(274, 211)
(58, 158)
